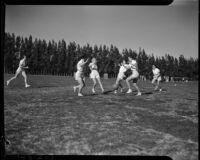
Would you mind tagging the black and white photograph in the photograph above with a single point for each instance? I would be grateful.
(101, 80)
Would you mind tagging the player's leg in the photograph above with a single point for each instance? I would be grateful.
(99, 81)
(153, 82)
(120, 85)
(158, 83)
(82, 84)
(14, 77)
(77, 77)
(128, 84)
(25, 79)
(136, 86)
(94, 84)
(116, 85)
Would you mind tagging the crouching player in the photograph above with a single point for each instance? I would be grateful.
(156, 77)
(79, 76)
(121, 76)
(134, 76)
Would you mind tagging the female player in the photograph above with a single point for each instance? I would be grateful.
(20, 69)
(79, 76)
(134, 76)
(94, 75)
(121, 75)
(156, 77)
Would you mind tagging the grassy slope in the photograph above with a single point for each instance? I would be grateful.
(49, 118)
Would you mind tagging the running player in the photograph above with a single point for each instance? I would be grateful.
(20, 69)
(79, 76)
(94, 75)
(134, 76)
(156, 77)
(121, 76)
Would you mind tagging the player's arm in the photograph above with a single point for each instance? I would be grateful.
(90, 66)
(85, 61)
(126, 66)
(24, 67)
(119, 65)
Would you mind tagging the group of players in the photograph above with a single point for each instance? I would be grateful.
(124, 67)
(94, 75)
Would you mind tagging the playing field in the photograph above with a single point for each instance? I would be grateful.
(49, 118)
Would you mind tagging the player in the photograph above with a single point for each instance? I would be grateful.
(156, 77)
(121, 75)
(134, 76)
(94, 75)
(79, 76)
(20, 69)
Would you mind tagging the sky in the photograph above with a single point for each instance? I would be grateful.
(159, 30)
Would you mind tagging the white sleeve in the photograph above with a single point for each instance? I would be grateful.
(158, 71)
(80, 63)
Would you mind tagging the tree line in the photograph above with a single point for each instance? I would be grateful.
(61, 58)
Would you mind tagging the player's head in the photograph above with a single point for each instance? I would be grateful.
(123, 61)
(24, 56)
(153, 66)
(130, 59)
(94, 60)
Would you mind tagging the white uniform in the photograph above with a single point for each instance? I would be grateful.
(156, 75)
(133, 67)
(21, 64)
(122, 70)
(94, 73)
(79, 74)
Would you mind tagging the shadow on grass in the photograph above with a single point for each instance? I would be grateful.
(44, 86)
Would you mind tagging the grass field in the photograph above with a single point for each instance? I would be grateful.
(49, 118)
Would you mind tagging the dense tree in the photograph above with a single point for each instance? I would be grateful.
(61, 58)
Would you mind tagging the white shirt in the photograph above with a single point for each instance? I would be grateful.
(123, 68)
(93, 66)
(156, 72)
(22, 63)
(133, 65)
(80, 65)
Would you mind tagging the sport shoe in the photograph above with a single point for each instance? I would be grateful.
(79, 94)
(115, 92)
(93, 91)
(27, 85)
(139, 94)
(129, 91)
(160, 90)
(7, 82)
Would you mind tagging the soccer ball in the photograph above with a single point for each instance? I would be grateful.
(115, 86)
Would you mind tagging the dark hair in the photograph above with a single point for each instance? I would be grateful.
(121, 60)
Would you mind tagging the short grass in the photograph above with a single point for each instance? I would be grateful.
(49, 118)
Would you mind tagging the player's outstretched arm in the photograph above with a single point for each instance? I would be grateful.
(26, 67)
(86, 61)
(126, 66)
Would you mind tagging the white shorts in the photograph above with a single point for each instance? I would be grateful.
(19, 70)
(134, 74)
(79, 75)
(94, 74)
(158, 78)
(120, 76)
